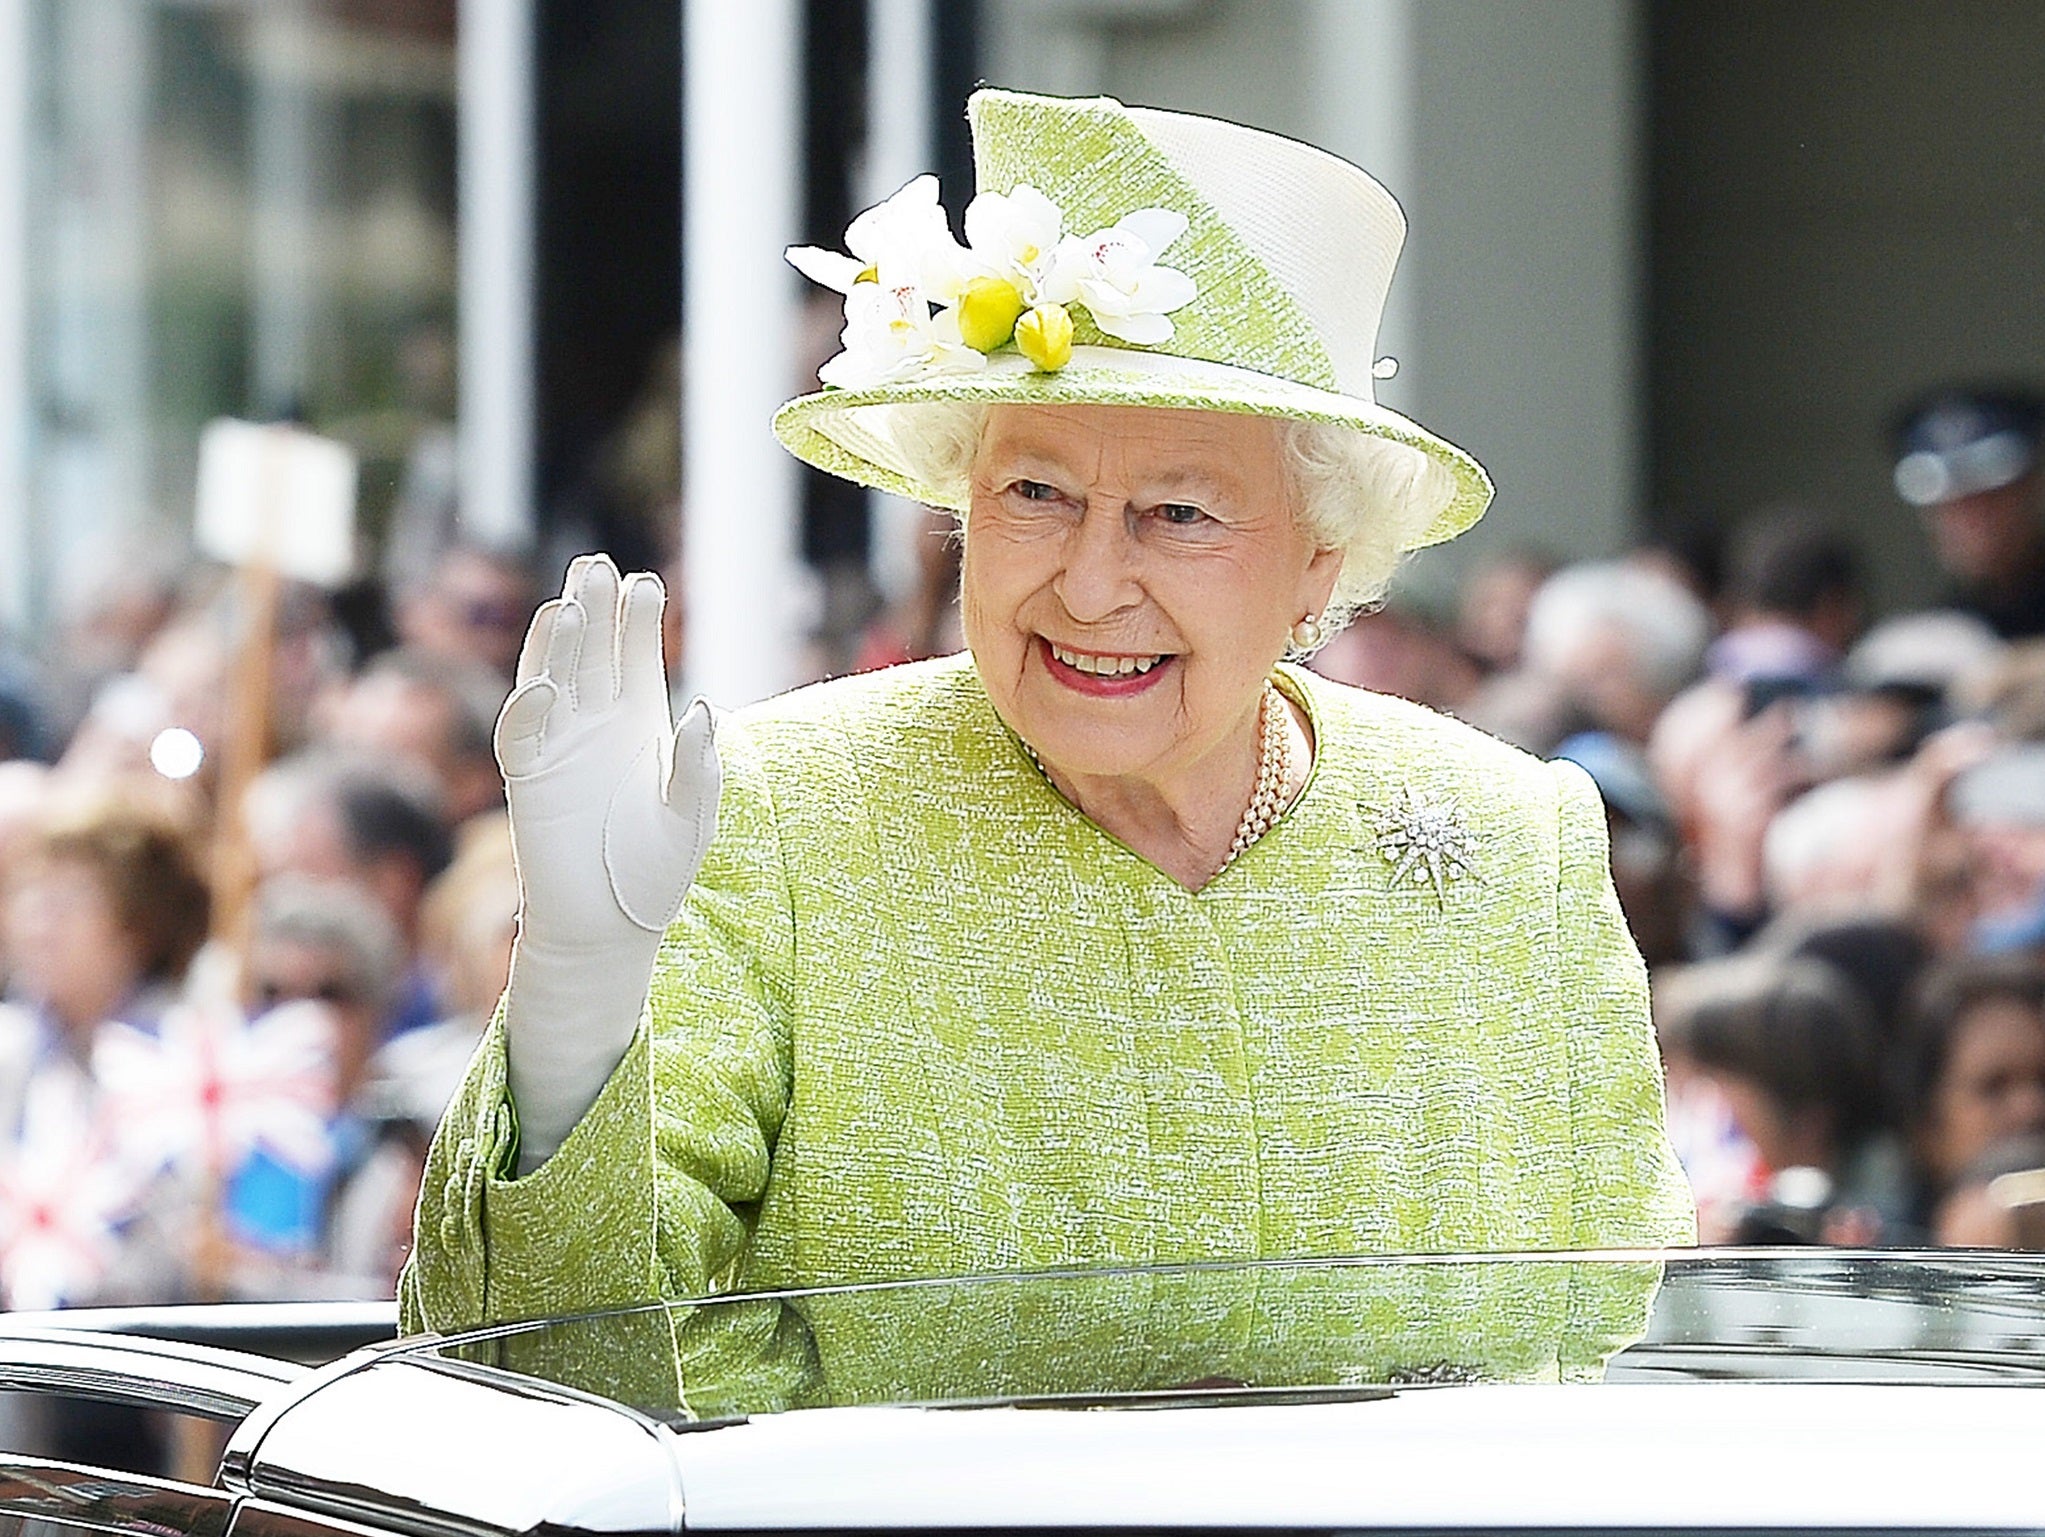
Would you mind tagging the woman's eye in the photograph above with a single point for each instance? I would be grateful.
(1035, 491)
(1181, 513)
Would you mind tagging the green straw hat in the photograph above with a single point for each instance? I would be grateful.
(1189, 264)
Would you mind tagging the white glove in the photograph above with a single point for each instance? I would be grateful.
(612, 808)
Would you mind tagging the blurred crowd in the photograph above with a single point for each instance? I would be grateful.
(1827, 832)
(231, 1012)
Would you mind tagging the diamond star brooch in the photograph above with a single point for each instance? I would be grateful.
(1426, 843)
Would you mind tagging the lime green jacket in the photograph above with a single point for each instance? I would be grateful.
(920, 1017)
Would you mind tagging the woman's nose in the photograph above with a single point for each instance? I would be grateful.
(1097, 577)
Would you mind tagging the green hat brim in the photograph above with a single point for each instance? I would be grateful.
(848, 432)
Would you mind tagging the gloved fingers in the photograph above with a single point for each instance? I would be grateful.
(521, 734)
(532, 652)
(596, 589)
(568, 624)
(661, 819)
(642, 672)
(693, 773)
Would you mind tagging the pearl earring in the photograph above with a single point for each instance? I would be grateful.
(1306, 635)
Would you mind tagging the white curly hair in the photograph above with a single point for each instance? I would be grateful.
(1368, 496)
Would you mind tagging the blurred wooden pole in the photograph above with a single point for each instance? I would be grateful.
(244, 752)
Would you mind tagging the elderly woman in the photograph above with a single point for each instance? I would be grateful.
(1114, 941)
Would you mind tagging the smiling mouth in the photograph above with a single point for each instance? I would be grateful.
(1106, 665)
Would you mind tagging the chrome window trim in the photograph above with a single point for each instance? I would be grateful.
(33, 1488)
(153, 1373)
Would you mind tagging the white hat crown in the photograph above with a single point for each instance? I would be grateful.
(1278, 279)
(1329, 233)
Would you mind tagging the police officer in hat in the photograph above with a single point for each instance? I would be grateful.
(1968, 459)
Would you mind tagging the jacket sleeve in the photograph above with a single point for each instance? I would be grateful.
(1627, 1190)
(653, 1195)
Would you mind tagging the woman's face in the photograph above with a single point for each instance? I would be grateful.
(65, 944)
(1131, 575)
(1993, 1086)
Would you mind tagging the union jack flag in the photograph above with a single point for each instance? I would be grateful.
(208, 1086)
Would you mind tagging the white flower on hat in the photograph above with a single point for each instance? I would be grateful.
(1114, 273)
(903, 240)
(1014, 237)
(891, 336)
(1008, 285)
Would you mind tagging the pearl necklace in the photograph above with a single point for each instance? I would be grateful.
(1274, 775)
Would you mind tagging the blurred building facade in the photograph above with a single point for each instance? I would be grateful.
(214, 209)
(1669, 258)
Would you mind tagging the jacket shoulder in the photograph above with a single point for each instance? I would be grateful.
(867, 723)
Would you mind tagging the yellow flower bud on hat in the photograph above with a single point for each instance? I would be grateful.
(1044, 336)
(987, 312)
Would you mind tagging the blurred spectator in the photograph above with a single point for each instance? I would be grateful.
(1821, 853)
(472, 606)
(925, 622)
(1727, 775)
(1923, 656)
(1881, 958)
(1999, 806)
(1619, 639)
(2007, 690)
(1693, 560)
(1971, 1068)
(309, 655)
(1998, 1201)
(334, 818)
(184, 680)
(1492, 607)
(470, 915)
(433, 712)
(1967, 459)
(329, 942)
(25, 792)
(1647, 859)
(1531, 710)
(1793, 591)
(179, 682)
(1395, 651)
(105, 617)
(104, 911)
(1790, 1048)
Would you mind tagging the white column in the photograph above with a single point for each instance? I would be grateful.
(899, 56)
(1361, 62)
(17, 543)
(741, 104)
(92, 469)
(284, 168)
(495, 78)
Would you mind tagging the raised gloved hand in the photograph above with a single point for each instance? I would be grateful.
(612, 809)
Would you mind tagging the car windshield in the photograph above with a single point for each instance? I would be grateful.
(1287, 1329)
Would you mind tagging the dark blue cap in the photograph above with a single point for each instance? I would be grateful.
(1956, 442)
